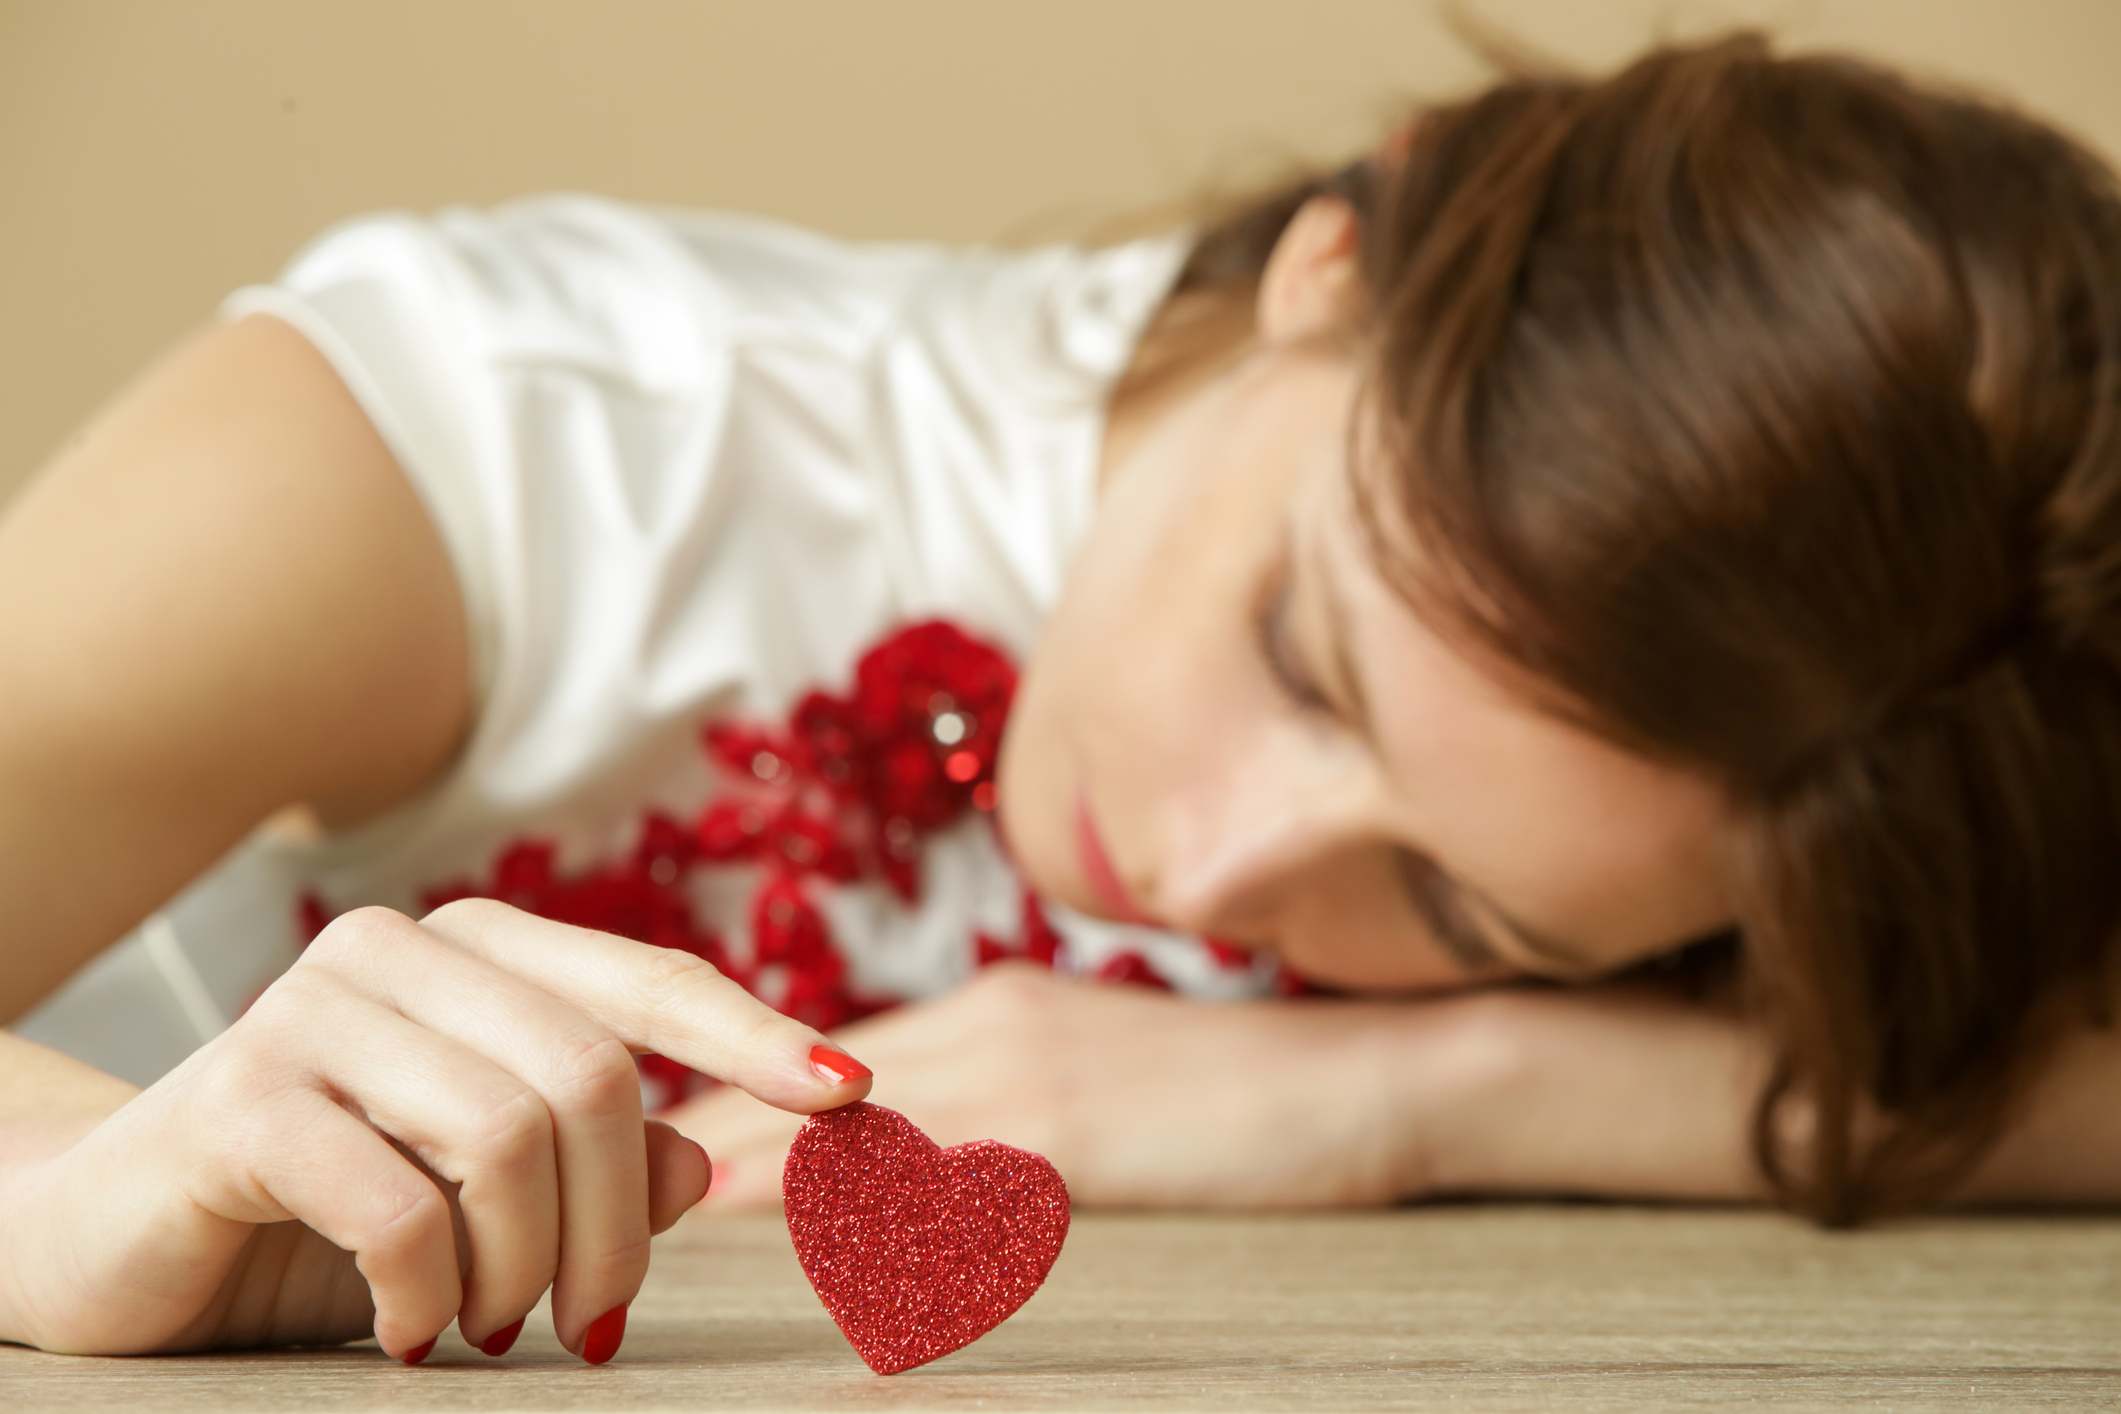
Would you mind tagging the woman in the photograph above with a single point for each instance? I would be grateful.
(1650, 534)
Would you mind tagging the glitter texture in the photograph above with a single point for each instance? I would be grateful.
(917, 1250)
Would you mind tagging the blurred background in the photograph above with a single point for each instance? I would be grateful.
(155, 155)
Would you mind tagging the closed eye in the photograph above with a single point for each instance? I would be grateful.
(1437, 904)
(1270, 631)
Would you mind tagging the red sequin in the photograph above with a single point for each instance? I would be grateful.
(1290, 983)
(847, 790)
(1132, 969)
(1040, 941)
(311, 917)
(917, 1250)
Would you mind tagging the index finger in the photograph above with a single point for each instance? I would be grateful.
(661, 1000)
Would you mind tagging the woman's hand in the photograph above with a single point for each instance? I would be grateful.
(420, 1122)
(1142, 1099)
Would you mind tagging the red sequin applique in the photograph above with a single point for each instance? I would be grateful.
(847, 790)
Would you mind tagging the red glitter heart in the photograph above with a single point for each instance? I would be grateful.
(916, 1249)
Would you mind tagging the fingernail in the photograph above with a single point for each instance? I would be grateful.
(601, 1341)
(710, 1167)
(837, 1066)
(501, 1340)
(420, 1352)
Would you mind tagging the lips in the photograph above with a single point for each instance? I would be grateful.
(1103, 879)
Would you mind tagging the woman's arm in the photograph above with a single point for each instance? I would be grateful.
(1637, 1094)
(220, 599)
(2065, 1146)
(1603, 1091)
(223, 599)
(1143, 1099)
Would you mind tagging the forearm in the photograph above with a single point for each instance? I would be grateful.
(48, 1101)
(48, 1104)
(1632, 1095)
(1625, 1094)
(2063, 1145)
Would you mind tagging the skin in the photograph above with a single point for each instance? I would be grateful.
(358, 1155)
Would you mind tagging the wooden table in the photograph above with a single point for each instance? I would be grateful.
(1452, 1307)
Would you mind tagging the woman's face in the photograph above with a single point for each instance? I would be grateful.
(1233, 726)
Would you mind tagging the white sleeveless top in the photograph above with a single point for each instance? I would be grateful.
(686, 467)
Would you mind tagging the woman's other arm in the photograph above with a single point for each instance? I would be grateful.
(1630, 1093)
(1143, 1099)
(1147, 1100)
(221, 599)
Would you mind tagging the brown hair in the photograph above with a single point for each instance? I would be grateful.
(1765, 413)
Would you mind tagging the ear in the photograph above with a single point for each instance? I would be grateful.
(1312, 275)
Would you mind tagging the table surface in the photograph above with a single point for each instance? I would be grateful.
(1475, 1307)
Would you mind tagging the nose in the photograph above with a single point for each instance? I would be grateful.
(1239, 839)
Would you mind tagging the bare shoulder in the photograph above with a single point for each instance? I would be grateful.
(220, 598)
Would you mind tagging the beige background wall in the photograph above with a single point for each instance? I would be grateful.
(156, 153)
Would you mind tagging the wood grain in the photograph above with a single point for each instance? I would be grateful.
(1461, 1307)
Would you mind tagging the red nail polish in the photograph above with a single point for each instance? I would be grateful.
(499, 1342)
(601, 1341)
(419, 1352)
(837, 1066)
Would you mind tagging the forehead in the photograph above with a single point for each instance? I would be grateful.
(1566, 831)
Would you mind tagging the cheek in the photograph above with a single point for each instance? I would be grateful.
(1033, 780)
(1061, 712)
(1081, 731)
(1621, 858)
(1132, 719)
(1138, 668)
